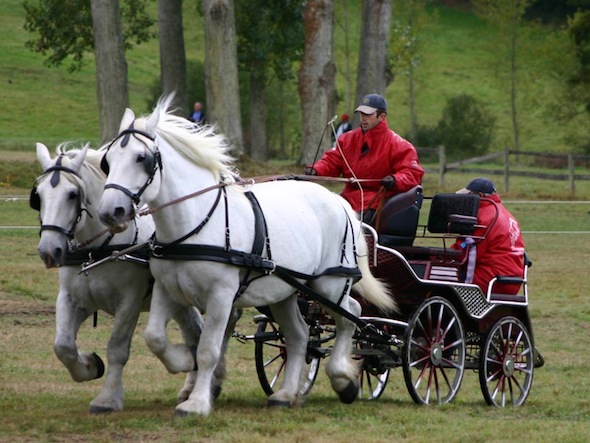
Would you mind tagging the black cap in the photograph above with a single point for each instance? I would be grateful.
(371, 103)
(477, 185)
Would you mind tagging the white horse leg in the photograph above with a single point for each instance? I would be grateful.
(111, 395)
(296, 332)
(341, 368)
(68, 318)
(209, 352)
(220, 371)
(190, 322)
(178, 357)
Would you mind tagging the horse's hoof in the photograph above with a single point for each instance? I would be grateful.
(216, 392)
(278, 404)
(101, 410)
(349, 394)
(180, 413)
(99, 365)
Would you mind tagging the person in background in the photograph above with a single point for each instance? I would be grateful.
(371, 151)
(198, 115)
(501, 251)
(343, 126)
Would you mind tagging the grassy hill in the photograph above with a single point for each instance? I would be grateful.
(52, 105)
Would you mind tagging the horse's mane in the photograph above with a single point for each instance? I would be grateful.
(198, 144)
(91, 165)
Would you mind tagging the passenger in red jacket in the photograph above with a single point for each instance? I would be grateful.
(501, 252)
(372, 151)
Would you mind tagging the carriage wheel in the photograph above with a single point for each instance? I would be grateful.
(506, 363)
(270, 354)
(372, 384)
(433, 356)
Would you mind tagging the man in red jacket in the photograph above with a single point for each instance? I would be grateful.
(501, 251)
(372, 151)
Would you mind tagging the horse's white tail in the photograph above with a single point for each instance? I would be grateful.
(370, 288)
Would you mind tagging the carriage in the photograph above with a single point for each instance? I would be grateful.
(444, 326)
(223, 243)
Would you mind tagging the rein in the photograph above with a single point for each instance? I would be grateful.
(252, 181)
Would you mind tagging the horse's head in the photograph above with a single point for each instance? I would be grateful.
(58, 195)
(131, 162)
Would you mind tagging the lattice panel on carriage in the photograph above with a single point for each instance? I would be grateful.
(474, 301)
(394, 270)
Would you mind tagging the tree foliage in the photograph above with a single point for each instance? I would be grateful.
(466, 127)
(270, 35)
(64, 28)
(579, 29)
(407, 42)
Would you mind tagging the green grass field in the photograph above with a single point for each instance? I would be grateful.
(41, 403)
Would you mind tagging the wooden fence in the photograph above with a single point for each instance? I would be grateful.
(552, 162)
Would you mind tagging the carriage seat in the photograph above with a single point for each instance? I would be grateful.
(450, 214)
(453, 214)
(399, 218)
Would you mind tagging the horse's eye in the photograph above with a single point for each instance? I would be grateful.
(73, 195)
(140, 159)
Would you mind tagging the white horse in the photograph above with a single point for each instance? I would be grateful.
(226, 248)
(65, 195)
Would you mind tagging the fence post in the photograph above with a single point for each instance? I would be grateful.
(442, 165)
(506, 169)
(571, 176)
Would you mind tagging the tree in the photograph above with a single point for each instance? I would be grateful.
(411, 17)
(316, 77)
(373, 74)
(172, 54)
(466, 126)
(506, 16)
(221, 70)
(270, 39)
(67, 29)
(346, 9)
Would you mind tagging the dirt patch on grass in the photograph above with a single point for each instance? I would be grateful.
(10, 306)
(20, 156)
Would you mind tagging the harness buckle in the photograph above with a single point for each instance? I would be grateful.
(153, 248)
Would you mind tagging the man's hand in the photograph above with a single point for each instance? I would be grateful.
(309, 171)
(388, 182)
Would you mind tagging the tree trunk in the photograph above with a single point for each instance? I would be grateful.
(111, 66)
(258, 141)
(221, 70)
(172, 55)
(513, 89)
(316, 78)
(372, 72)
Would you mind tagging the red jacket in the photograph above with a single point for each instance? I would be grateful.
(386, 153)
(501, 252)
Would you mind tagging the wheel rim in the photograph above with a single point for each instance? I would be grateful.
(372, 385)
(434, 353)
(270, 355)
(506, 364)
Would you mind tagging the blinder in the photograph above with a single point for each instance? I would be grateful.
(34, 199)
(151, 161)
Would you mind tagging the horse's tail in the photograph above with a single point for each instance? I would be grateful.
(371, 288)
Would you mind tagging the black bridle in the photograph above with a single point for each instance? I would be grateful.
(152, 163)
(35, 200)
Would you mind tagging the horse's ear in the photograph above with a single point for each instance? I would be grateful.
(128, 118)
(43, 156)
(79, 159)
(152, 122)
